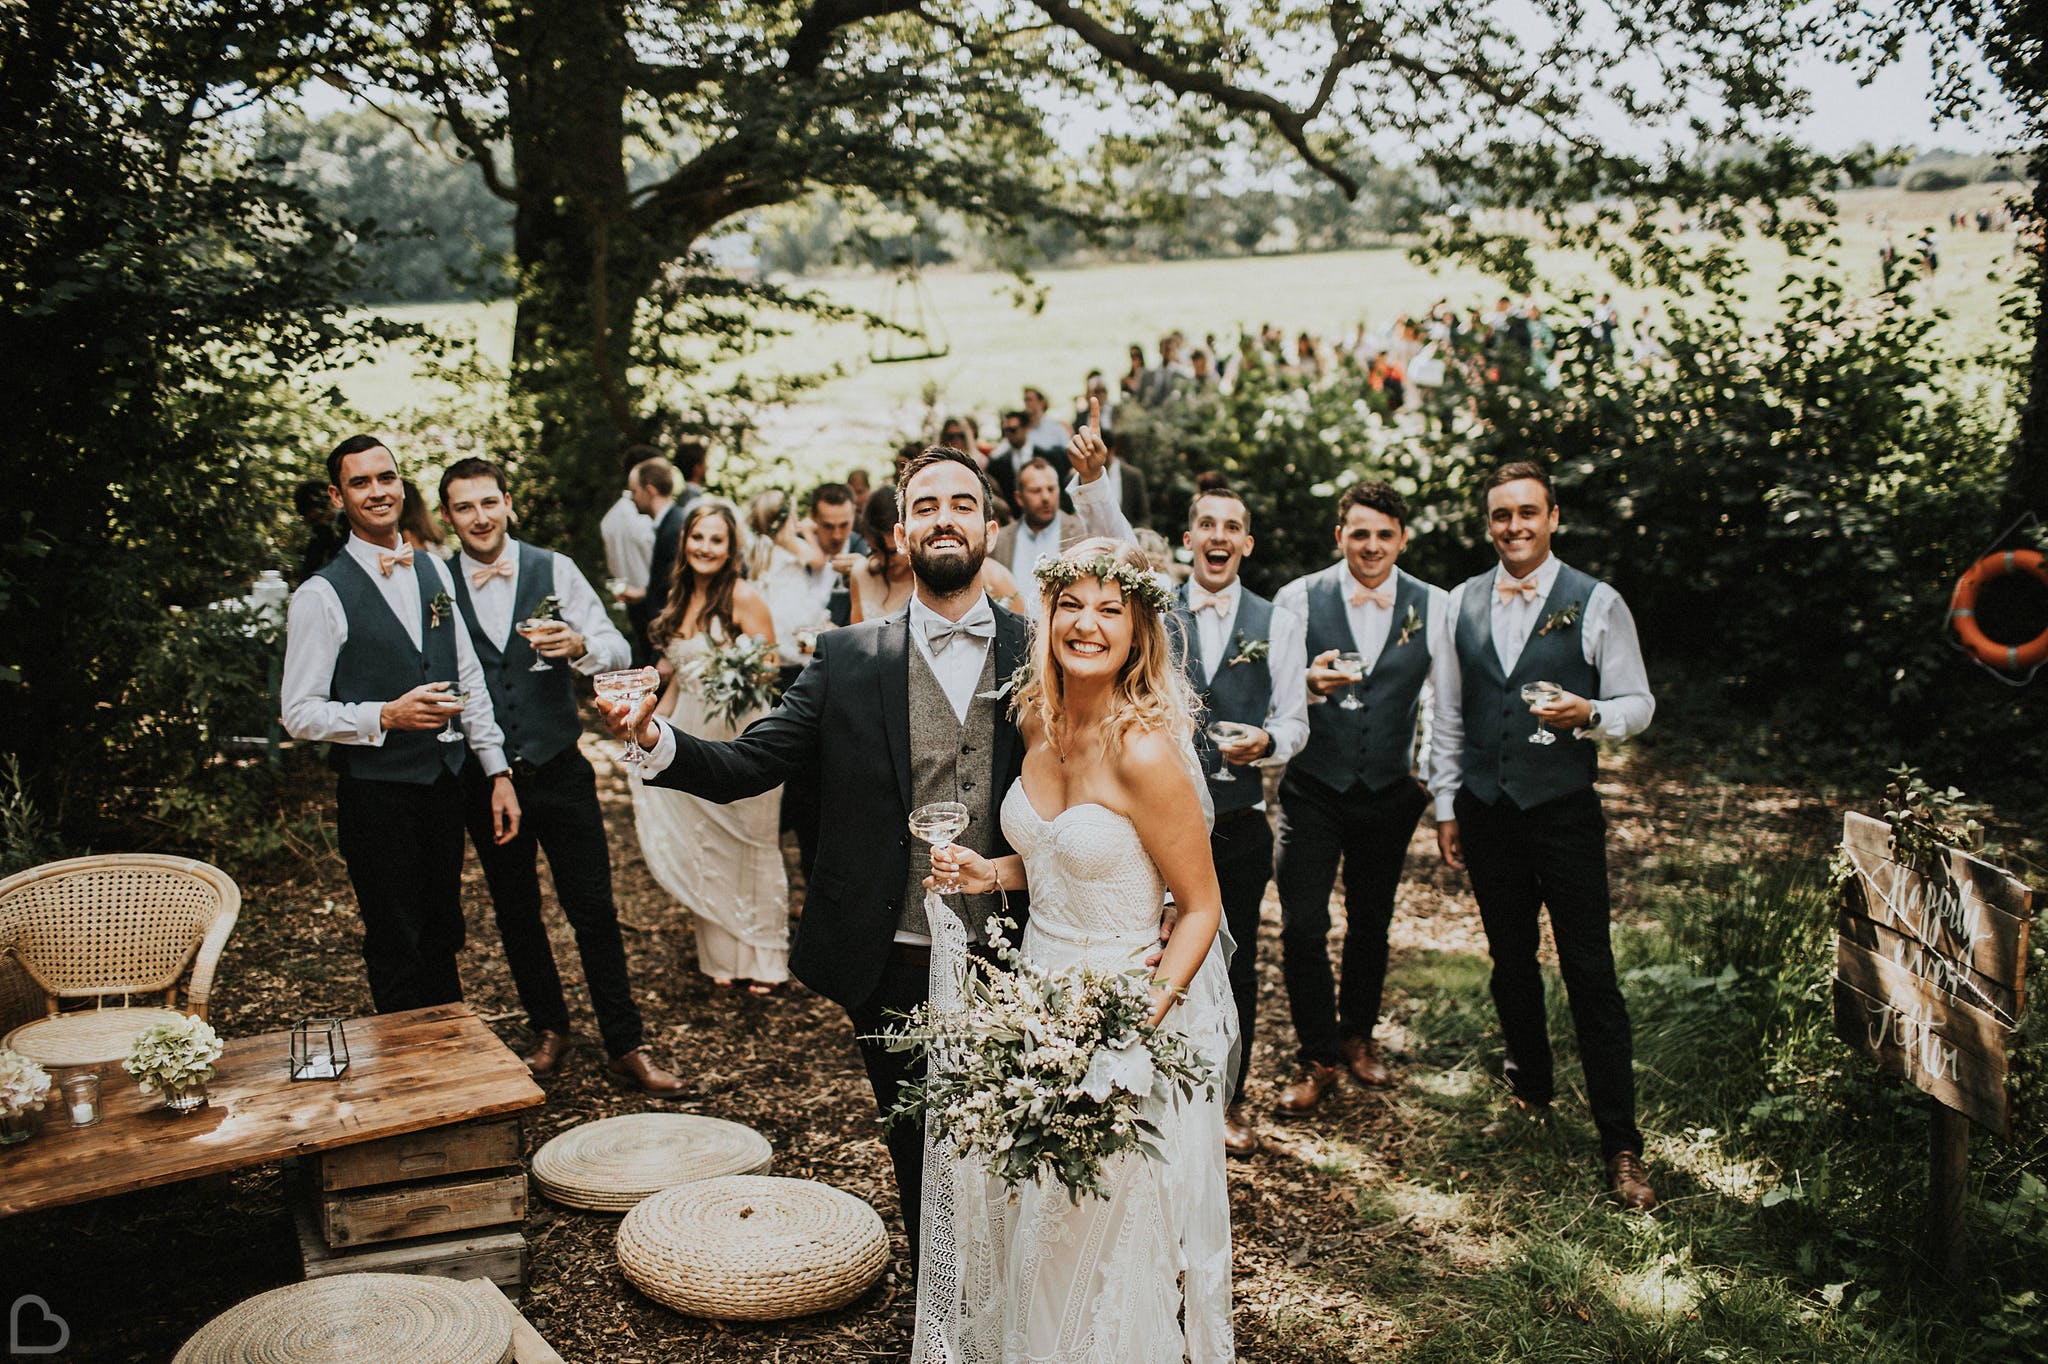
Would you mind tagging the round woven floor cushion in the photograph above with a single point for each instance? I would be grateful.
(611, 1164)
(87, 1037)
(356, 1318)
(753, 1248)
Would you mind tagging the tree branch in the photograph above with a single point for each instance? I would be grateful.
(808, 49)
(1291, 124)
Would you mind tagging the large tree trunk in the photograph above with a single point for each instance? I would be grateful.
(582, 271)
(2026, 488)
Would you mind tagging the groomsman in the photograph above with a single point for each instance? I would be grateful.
(1244, 659)
(498, 583)
(1351, 795)
(375, 663)
(890, 715)
(1521, 814)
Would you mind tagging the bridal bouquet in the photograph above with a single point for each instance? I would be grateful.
(1046, 1074)
(737, 677)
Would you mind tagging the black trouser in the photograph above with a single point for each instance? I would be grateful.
(1242, 847)
(558, 815)
(905, 984)
(802, 806)
(638, 618)
(1369, 832)
(1554, 855)
(403, 845)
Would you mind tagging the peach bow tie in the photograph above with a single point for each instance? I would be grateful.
(1525, 588)
(387, 562)
(1382, 597)
(1200, 600)
(501, 569)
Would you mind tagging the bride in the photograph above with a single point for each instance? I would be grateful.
(1107, 817)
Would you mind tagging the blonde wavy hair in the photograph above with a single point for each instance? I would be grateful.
(1150, 692)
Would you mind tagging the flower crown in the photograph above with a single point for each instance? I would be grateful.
(1135, 582)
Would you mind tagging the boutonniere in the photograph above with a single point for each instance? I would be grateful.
(1409, 625)
(1250, 650)
(1020, 677)
(1561, 620)
(437, 609)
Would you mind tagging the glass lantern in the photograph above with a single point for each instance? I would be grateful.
(319, 1049)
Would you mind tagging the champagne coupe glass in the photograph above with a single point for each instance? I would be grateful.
(1352, 665)
(532, 628)
(615, 586)
(806, 641)
(1226, 732)
(453, 735)
(626, 687)
(939, 824)
(1542, 694)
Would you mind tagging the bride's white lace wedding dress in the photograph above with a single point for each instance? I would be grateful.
(1026, 1275)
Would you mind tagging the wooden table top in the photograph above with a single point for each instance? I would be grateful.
(408, 1071)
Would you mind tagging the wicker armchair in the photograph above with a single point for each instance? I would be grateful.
(125, 924)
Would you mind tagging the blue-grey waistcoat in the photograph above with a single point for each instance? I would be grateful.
(1499, 760)
(536, 710)
(1373, 747)
(378, 662)
(1235, 691)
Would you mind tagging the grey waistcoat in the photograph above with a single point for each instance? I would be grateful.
(379, 663)
(537, 711)
(1499, 759)
(950, 761)
(1235, 691)
(1374, 747)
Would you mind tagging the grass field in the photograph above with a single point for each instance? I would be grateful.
(1092, 314)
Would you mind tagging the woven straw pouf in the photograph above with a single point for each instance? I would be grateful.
(355, 1318)
(87, 1037)
(611, 1164)
(753, 1248)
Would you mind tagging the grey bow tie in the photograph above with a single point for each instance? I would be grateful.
(940, 633)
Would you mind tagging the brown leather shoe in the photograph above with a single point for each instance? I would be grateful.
(1630, 1182)
(1515, 1119)
(1305, 1091)
(637, 1070)
(1362, 1058)
(1240, 1138)
(549, 1049)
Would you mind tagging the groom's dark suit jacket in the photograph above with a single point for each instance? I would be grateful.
(846, 721)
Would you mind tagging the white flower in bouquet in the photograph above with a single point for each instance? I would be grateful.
(1047, 1074)
(173, 1055)
(738, 677)
(23, 1085)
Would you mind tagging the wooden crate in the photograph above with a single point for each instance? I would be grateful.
(527, 1345)
(496, 1254)
(431, 1154)
(431, 1207)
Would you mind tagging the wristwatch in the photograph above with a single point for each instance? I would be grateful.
(1593, 717)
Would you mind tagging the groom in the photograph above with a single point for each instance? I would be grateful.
(890, 715)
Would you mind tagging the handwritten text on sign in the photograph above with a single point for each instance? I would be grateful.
(1930, 968)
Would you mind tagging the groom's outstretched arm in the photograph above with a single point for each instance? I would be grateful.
(779, 744)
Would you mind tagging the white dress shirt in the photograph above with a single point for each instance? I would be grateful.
(1100, 507)
(628, 542)
(1024, 556)
(604, 647)
(1371, 624)
(317, 628)
(1287, 708)
(1607, 634)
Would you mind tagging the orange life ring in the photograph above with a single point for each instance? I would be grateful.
(1962, 611)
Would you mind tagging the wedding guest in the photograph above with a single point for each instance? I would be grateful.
(857, 484)
(498, 583)
(418, 526)
(1520, 813)
(1041, 529)
(1134, 378)
(1044, 434)
(1094, 389)
(723, 862)
(377, 666)
(1013, 452)
(653, 484)
(893, 714)
(1243, 659)
(828, 604)
(778, 562)
(1132, 494)
(1350, 796)
(326, 532)
(629, 554)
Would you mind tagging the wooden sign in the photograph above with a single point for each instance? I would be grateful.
(1930, 968)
